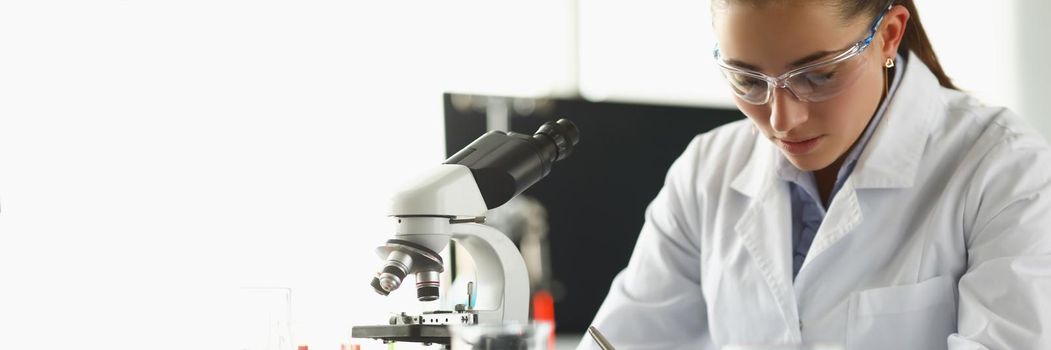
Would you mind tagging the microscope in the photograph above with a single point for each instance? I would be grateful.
(449, 203)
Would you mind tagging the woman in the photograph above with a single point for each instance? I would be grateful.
(865, 203)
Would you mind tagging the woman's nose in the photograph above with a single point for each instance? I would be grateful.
(786, 111)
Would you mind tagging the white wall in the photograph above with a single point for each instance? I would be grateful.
(656, 51)
(157, 156)
(977, 43)
(1034, 47)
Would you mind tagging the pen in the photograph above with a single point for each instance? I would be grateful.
(601, 340)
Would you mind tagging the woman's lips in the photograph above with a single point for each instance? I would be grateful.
(801, 147)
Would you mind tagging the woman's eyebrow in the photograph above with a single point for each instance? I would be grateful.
(810, 58)
(740, 64)
(797, 63)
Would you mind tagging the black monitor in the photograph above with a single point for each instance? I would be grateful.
(596, 198)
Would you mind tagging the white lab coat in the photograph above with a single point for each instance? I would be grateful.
(941, 238)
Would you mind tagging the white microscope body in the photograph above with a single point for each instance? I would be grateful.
(449, 203)
(426, 215)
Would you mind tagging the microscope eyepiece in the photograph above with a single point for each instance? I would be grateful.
(563, 133)
(506, 163)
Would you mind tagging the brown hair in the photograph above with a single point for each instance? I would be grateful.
(915, 39)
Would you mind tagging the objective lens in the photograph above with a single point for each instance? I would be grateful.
(427, 283)
(393, 274)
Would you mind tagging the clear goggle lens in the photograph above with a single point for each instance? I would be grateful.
(811, 84)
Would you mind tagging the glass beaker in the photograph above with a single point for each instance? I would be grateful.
(265, 319)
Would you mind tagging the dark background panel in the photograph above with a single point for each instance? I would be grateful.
(596, 198)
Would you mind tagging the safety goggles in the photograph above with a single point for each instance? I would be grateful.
(814, 82)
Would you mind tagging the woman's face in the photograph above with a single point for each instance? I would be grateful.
(773, 39)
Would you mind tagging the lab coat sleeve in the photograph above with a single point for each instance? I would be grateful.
(1005, 294)
(656, 301)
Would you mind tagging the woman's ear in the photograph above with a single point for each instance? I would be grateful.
(894, 24)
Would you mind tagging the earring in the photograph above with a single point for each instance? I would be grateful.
(886, 75)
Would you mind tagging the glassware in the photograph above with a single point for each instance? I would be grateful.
(265, 319)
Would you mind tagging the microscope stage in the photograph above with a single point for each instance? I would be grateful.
(413, 333)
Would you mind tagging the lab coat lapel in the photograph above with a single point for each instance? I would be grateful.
(890, 160)
(893, 156)
(765, 228)
(844, 215)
